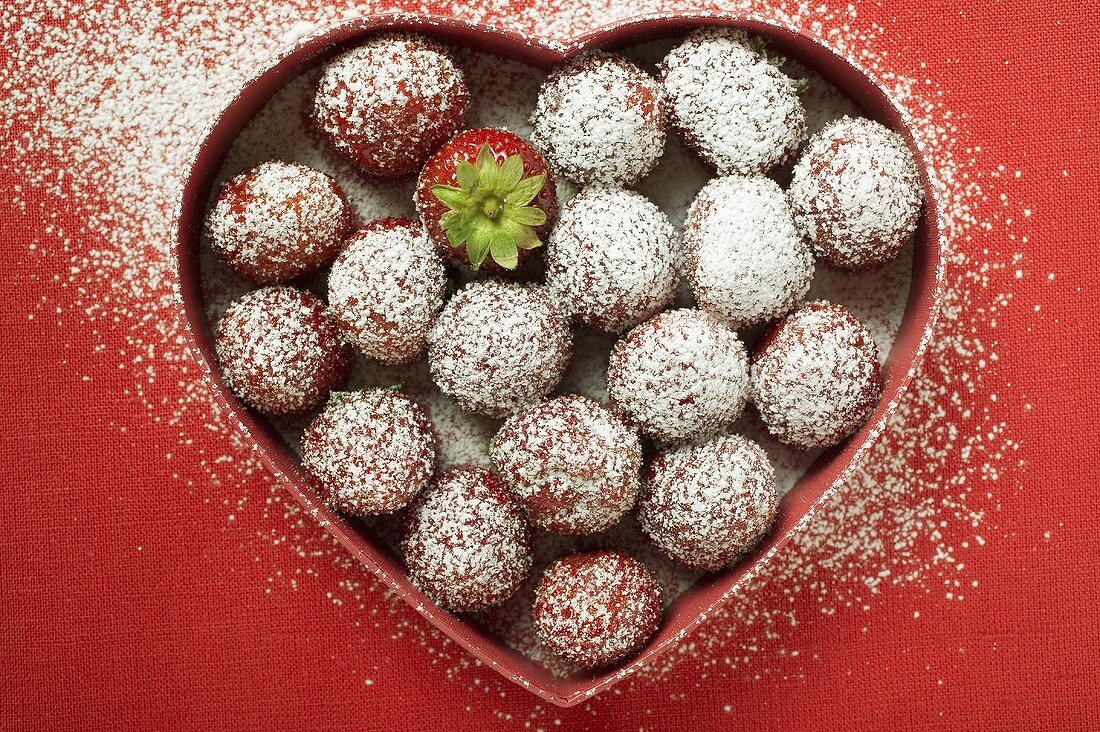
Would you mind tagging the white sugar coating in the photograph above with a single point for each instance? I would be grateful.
(681, 375)
(746, 260)
(856, 193)
(680, 173)
(594, 609)
(816, 379)
(370, 451)
(731, 103)
(600, 119)
(277, 221)
(466, 543)
(389, 102)
(611, 259)
(706, 504)
(498, 347)
(386, 288)
(279, 351)
(872, 296)
(573, 464)
(587, 371)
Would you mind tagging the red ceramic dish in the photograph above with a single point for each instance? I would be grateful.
(797, 506)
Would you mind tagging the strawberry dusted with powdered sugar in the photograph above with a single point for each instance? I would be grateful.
(595, 609)
(388, 104)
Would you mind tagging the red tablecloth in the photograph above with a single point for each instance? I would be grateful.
(155, 576)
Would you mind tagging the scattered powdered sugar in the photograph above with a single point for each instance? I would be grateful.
(731, 102)
(707, 503)
(499, 346)
(386, 288)
(466, 543)
(573, 463)
(746, 261)
(390, 102)
(280, 351)
(277, 221)
(856, 193)
(816, 378)
(371, 451)
(600, 119)
(594, 609)
(502, 91)
(923, 500)
(612, 259)
(681, 375)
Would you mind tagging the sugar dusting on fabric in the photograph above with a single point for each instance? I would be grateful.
(920, 500)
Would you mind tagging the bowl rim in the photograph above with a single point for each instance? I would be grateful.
(831, 469)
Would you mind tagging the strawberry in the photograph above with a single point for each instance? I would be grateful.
(487, 199)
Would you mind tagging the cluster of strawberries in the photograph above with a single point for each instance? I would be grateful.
(488, 204)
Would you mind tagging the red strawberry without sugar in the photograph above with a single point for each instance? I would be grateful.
(487, 199)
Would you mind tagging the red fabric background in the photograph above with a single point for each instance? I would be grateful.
(129, 600)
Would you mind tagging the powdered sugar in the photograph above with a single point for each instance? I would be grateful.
(746, 261)
(386, 288)
(600, 119)
(390, 102)
(705, 504)
(279, 351)
(611, 259)
(277, 221)
(132, 138)
(371, 451)
(467, 544)
(498, 346)
(572, 462)
(856, 193)
(680, 375)
(816, 379)
(731, 103)
(594, 609)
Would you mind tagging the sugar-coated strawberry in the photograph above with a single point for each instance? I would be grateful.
(386, 288)
(815, 377)
(278, 221)
(389, 103)
(487, 199)
(280, 350)
(498, 347)
(595, 609)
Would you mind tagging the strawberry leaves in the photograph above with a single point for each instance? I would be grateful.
(525, 191)
(454, 198)
(489, 209)
(466, 173)
(529, 216)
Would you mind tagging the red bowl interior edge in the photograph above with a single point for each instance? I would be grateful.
(797, 506)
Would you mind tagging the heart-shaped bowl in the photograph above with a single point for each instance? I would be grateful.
(692, 607)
